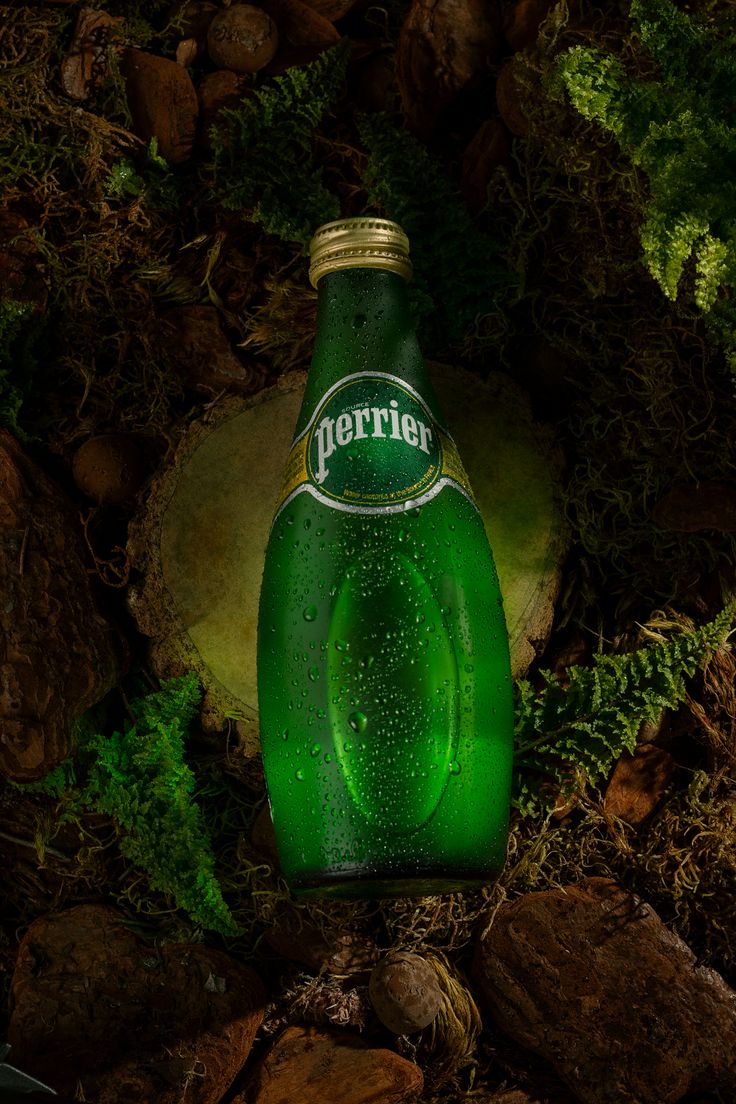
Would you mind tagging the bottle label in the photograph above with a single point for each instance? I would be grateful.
(372, 446)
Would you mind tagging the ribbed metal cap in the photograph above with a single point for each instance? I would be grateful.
(363, 242)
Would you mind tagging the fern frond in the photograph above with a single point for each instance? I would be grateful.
(140, 779)
(458, 273)
(263, 150)
(591, 723)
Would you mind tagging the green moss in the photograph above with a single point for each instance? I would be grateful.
(139, 778)
(674, 125)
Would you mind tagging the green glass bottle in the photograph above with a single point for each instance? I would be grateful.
(384, 683)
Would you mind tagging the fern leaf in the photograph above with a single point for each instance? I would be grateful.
(262, 149)
(457, 271)
(589, 724)
(140, 778)
(677, 127)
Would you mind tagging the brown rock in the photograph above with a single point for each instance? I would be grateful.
(93, 1003)
(85, 63)
(186, 52)
(690, 509)
(638, 783)
(301, 26)
(404, 992)
(242, 38)
(489, 147)
(313, 1066)
(590, 979)
(203, 350)
(303, 34)
(507, 99)
(443, 47)
(163, 103)
(58, 656)
(109, 468)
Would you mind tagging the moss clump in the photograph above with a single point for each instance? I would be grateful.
(673, 124)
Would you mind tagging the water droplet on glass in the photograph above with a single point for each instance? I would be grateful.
(455, 767)
(310, 613)
(342, 645)
(358, 721)
(285, 734)
(313, 673)
(299, 775)
(315, 750)
(307, 523)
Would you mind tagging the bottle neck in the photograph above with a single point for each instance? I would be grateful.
(363, 324)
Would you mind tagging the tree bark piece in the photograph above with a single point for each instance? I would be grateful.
(58, 656)
(92, 1003)
(590, 978)
(314, 1066)
(200, 541)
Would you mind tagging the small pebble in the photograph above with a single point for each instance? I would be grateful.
(109, 468)
(242, 38)
(404, 992)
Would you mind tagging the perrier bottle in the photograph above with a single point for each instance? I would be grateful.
(384, 684)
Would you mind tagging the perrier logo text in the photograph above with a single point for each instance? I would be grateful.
(372, 446)
(360, 423)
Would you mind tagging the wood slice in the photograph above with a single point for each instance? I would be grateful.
(200, 541)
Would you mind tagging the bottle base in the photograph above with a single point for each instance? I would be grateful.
(359, 883)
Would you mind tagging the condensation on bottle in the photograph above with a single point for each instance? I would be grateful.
(384, 683)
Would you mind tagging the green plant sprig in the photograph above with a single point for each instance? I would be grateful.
(588, 725)
(262, 150)
(139, 777)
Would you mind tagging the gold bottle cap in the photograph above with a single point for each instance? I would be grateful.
(363, 242)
